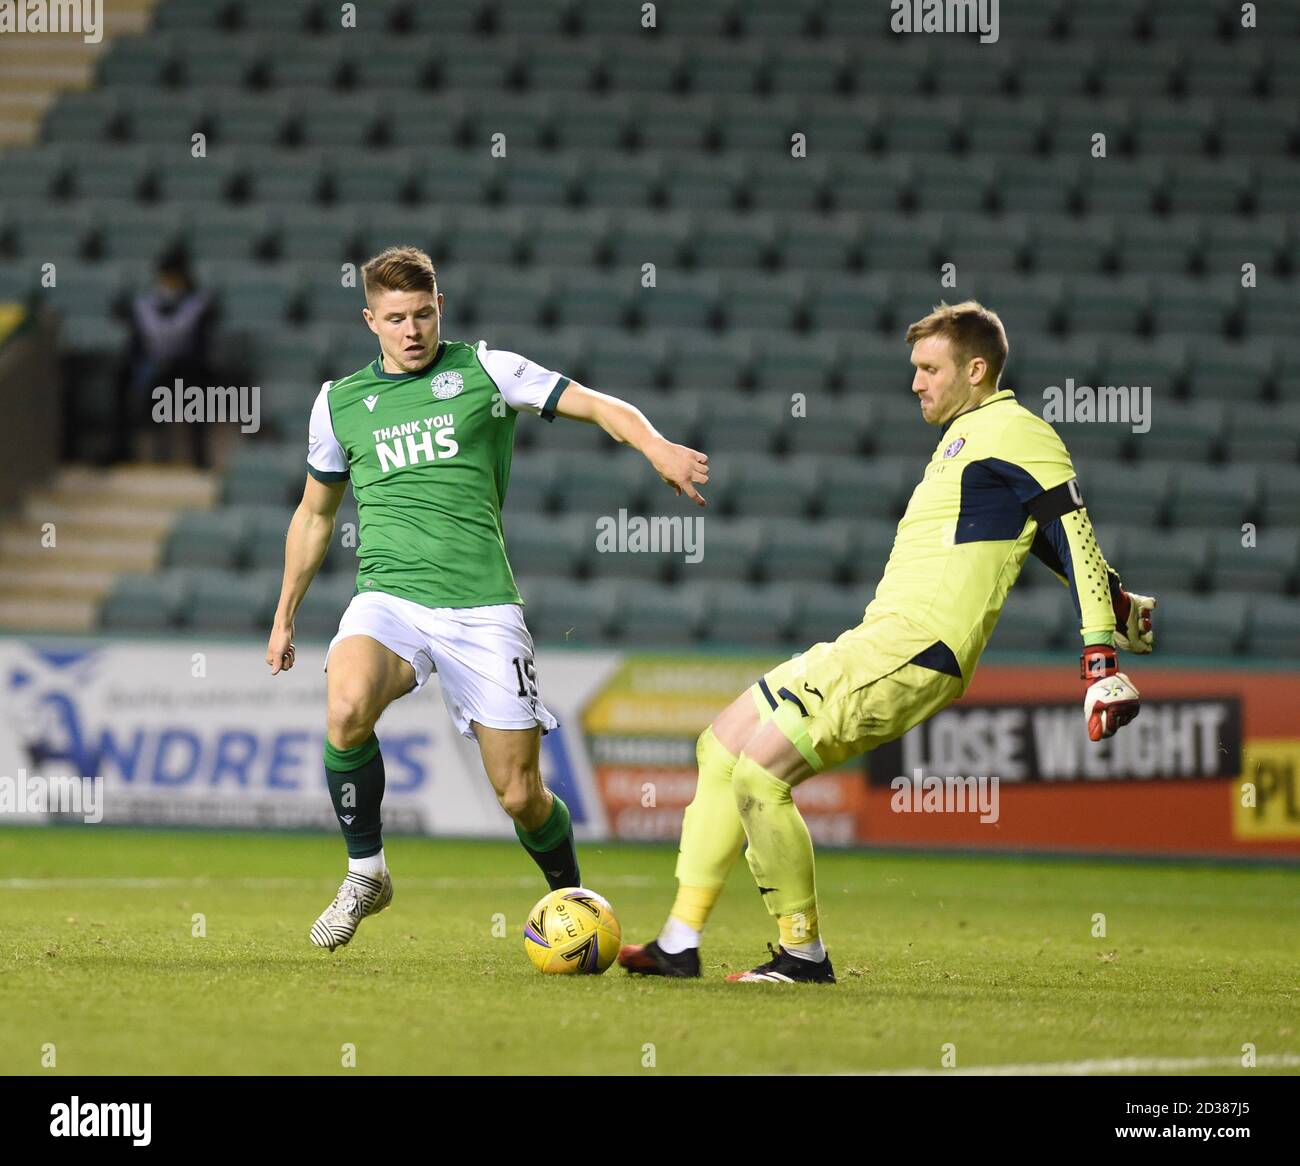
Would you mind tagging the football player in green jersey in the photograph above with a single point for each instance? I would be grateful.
(424, 434)
(999, 486)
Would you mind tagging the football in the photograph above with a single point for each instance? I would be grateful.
(572, 931)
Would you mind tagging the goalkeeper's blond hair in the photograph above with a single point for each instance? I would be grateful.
(971, 329)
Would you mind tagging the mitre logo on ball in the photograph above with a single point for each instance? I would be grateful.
(447, 384)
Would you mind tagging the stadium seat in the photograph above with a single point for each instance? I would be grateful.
(1035, 619)
(1168, 561)
(1198, 186)
(768, 487)
(731, 551)
(143, 603)
(323, 606)
(560, 547)
(747, 614)
(1202, 625)
(857, 488)
(871, 540)
(823, 612)
(1210, 494)
(1268, 567)
(659, 614)
(1275, 628)
(795, 551)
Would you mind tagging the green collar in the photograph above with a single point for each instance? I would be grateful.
(378, 367)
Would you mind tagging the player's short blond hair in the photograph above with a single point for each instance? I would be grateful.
(971, 329)
(399, 269)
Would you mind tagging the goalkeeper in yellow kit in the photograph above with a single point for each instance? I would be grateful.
(999, 486)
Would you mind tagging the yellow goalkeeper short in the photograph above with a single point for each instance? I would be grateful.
(845, 697)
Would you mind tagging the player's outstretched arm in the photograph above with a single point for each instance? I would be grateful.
(310, 531)
(678, 465)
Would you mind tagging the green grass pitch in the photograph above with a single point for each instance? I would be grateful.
(996, 957)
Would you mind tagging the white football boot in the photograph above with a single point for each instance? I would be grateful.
(359, 896)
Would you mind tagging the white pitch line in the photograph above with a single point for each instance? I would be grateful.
(1087, 1068)
(42, 884)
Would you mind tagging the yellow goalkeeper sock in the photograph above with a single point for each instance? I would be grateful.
(800, 929)
(712, 835)
(780, 853)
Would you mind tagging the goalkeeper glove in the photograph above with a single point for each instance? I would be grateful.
(1133, 621)
(1112, 699)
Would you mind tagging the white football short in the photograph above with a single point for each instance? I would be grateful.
(483, 656)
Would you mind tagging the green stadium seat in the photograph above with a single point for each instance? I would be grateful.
(121, 174)
(481, 236)
(559, 547)
(892, 69)
(323, 607)
(921, 127)
(1158, 363)
(232, 67)
(286, 18)
(805, 552)
(143, 603)
(453, 180)
(965, 68)
(619, 362)
(979, 244)
(228, 233)
(596, 299)
(824, 612)
(788, 364)
(206, 538)
(651, 69)
(827, 429)
(731, 550)
(249, 120)
(1198, 186)
(484, 66)
(818, 70)
(1117, 186)
(776, 21)
(602, 484)
(763, 302)
(1281, 490)
(459, 21)
(1267, 568)
(959, 183)
(570, 613)
(848, 303)
(166, 120)
(695, 183)
(364, 178)
(1153, 246)
(373, 63)
(871, 540)
(503, 296)
(842, 130)
(1035, 186)
(734, 422)
(1033, 619)
(1232, 242)
(1193, 307)
(1275, 628)
(1110, 306)
(136, 61)
(1005, 127)
(201, 181)
(680, 300)
(524, 120)
(1054, 69)
(767, 488)
(870, 185)
(268, 175)
(905, 245)
(617, 181)
(1138, 70)
(1219, 370)
(316, 234)
(1168, 560)
(1064, 246)
(647, 238)
(342, 120)
(230, 603)
(82, 116)
(1201, 625)
(1074, 122)
(1269, 311)
(826, 244)
(1027, 305)
(761, 125)
(86, 291)
(35, 173)
(262, 473)
(672, 123)
(686, 19)
(51, 233)
(562, 65)
(1181, 23)
(1105, 22)
(709, 68)
(532, 483)
(536, 182)
(556, 239)
(658, 614)
(877, 487)
(707, 362)
(1258, 130)
(589, 122)
(1121, 491)
(1268, 434)
(1209, 494)
(747, 614)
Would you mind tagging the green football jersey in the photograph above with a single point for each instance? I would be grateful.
(428, 454)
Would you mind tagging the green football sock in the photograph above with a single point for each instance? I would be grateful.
(552, 847)
(356, 781)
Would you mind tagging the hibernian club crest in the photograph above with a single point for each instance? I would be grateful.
(447, 384)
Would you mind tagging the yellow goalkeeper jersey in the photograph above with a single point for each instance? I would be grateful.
(999, 485)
